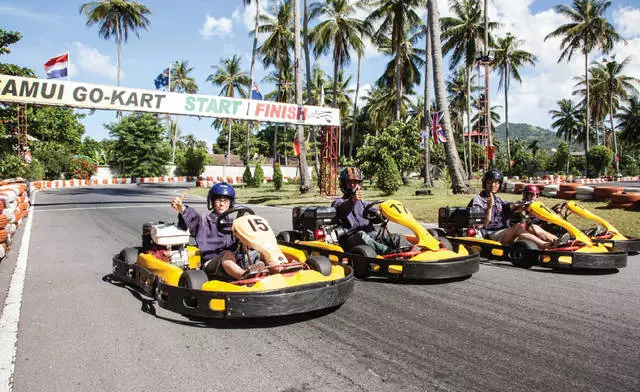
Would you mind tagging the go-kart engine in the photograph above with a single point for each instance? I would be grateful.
(166, 242)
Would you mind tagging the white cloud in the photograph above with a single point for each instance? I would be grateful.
(91, 60)
(627, 20)
(214, 26)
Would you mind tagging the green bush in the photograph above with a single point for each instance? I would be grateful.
(600, 157)
(277, 176)
(388, 179)
(247, 178)
(258, 176)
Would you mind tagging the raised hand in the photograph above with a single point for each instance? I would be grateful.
(176, 203)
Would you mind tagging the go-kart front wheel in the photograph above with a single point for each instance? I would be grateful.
(192, 279)
(129, 255)
(519, 259)
(320, 264)
(360, 266)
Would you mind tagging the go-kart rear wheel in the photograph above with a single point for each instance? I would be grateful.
(192, 279)
(287, 236)
(361, 267)
(519, 259)
(320, 264)
(129, 255)
(447, 244)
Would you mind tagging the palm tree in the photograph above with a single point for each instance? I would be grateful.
(232, 79)
(181, 82)
(275, 49)
(629, 121)
(587, 31)
(254, 52)
(457, 88)
(508, 58)
(568, 121)
(305, 179)
(428, 70)
(463, 35)
(117, 17)
(459, 182)
(395, 17)
(617, 87)
(340, 32)
(409, 55)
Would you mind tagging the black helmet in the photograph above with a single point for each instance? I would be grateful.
(221, 189)
(493, 174)
(349, 173)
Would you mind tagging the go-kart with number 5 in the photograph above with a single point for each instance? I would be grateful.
(316, 231)
(168, 269)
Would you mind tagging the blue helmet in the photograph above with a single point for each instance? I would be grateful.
(221, 189)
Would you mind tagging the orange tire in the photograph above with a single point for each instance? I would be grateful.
(625, 198)
(3, 221)
(3, 235)
(567, 195)
(568, 186)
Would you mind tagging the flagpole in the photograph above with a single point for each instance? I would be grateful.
(68, 65)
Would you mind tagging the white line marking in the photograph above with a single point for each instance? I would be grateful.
(105, 208)
(11, 311)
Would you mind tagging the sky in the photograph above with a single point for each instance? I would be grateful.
(205, 32)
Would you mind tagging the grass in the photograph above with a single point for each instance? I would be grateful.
(424, 208)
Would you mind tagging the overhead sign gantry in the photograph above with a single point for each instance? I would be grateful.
(21, 90)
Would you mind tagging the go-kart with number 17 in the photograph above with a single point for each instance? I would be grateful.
(317, 232)
(168, 269)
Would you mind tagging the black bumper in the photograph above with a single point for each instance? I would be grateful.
(446, 269)
(631, 246)
(294, 300)
(610, 260)
(135, 275)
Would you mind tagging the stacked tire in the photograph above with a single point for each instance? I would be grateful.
(584, 193)
(550, 190)
(604, 193)
(567, 191)
(14, 207)
(629, 201)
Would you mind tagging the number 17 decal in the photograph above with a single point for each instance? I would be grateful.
(403, 211)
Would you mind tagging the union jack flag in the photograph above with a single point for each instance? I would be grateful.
(436, 128)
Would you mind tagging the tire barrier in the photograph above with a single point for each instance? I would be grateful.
(54, 184)
(14, 207)
(558, 187)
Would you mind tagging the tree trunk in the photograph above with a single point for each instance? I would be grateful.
(118, 43)
(468, 72)
(506, 116)
(229, 142)
(310, 97)
(613, 133)
(335, 100)
(305, 180)
(355, 111)
(251, 74)
(459, 184)
(428, 71)
(586, 139)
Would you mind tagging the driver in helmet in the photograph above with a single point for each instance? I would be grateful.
(349, 210)
(216, 248)
(497, 213)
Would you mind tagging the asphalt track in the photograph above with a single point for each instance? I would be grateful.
(504, 329)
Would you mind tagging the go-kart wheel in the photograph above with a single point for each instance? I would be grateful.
(192, 279)
(519, 259)
(437, 232)
(129, 255)
(223, 225)
(361, 268)
(447, 244)
(320, 264)
(372, 213)
(287, 236)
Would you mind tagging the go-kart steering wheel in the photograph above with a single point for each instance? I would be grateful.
(373, 214)
(223, 225)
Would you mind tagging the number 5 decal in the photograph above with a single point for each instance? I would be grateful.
(258, 224)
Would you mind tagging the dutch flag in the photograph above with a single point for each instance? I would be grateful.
(56, 67)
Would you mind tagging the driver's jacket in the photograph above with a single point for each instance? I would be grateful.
(210, 241)
(500, 212)
(350, 215)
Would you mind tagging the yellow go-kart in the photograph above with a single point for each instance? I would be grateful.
(168, 269)
(602, 232)
(317, 232)
(462, 226)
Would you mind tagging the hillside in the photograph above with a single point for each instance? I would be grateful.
(546, 139)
